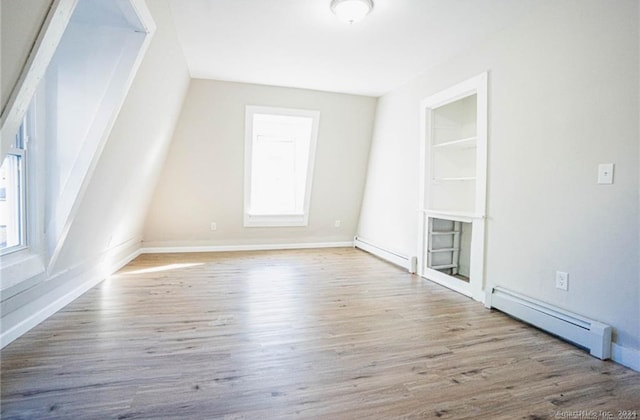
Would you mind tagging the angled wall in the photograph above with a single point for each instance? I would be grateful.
(113, 211)
(106, 228)
(563, 97)
(84, 87)
(203, 178)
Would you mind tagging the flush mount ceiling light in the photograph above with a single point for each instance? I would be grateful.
(351, 10)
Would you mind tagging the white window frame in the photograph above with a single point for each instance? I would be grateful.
(28, 261)
(252, 219)
(19, 150)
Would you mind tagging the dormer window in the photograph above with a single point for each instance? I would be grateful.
(279, 154)
(13, 195)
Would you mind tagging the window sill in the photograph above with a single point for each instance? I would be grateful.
(18, 267)
(275, 220)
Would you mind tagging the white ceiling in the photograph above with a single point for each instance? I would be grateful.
(300, 43)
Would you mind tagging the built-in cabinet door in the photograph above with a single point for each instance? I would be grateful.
(453, 186)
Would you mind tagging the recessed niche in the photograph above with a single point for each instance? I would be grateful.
(453, 186)
(449, 247)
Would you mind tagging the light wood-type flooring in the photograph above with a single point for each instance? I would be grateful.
(327, 334)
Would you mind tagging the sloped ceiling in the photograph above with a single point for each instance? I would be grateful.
(300, 43)
(112, 212)
(19, 29)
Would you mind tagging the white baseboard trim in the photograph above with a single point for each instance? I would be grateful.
(232, 248)
(626, 356)
(36, 318)
(406, 262)
(91, 274)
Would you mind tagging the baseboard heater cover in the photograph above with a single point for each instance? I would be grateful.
(592, 335)
(409, 263)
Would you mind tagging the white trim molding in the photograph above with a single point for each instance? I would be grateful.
(73, 283)
(251, 247)
(626, 356)
(34, 70)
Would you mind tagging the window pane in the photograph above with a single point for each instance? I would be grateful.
(279, 163)
(11, 206)
(279, 154)
(273, 187)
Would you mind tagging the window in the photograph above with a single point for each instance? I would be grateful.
(279, 154)
(12, 195)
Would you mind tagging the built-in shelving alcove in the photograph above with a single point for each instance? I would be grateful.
(453, 186)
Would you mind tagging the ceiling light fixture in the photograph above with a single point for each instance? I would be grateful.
(351, 10)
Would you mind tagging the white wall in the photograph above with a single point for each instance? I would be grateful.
(84, 90)
(20, 23)
(107, 226)
(114, 209)
(563, 97)
(390, 203)
(202, 179)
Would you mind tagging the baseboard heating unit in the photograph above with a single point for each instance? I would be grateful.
(409, 263)
(574, 328)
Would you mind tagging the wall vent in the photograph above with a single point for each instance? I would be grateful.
(584, 332)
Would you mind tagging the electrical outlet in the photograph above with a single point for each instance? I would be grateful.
(337, 224)
(562, 280)
(214, 226)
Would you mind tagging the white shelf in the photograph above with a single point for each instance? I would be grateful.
(467, 143)
(440, 267)
(444, 250)
(460, 216)
(454, 178)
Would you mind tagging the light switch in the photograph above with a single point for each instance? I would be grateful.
(605, 173)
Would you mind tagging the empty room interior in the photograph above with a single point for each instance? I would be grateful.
(320, 209)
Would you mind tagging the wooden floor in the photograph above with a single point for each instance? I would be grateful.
(329, 334)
